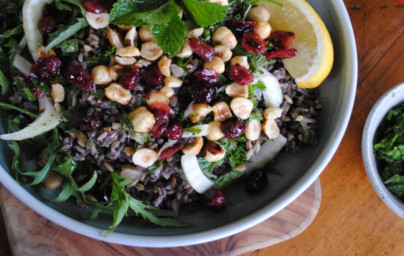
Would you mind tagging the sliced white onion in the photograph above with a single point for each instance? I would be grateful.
(204, 130)
(22, 64)
(273, 96)
(31, 14)
(195, 177)
(269, 150)
(47, 120)
(189, 110)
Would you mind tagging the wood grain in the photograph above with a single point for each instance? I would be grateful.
(31, 234)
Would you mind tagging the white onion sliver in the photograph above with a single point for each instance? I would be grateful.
(204, 130)
(31, 14)
(195, 177)
(269, 150)
(273, 95)
(47, 120)
(22, 64)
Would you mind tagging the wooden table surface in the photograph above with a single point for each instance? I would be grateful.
(352, 220)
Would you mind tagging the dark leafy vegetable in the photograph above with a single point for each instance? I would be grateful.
(389, 150)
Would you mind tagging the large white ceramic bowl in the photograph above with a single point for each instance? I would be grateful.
(244, 211)
(389, 100)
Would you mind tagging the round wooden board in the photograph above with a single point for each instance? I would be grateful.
(32, 234)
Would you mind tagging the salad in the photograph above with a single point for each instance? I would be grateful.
(148, 107)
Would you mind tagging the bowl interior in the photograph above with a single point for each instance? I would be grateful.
(389, 100)
(299, 170)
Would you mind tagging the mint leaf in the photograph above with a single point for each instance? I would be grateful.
(204, 13)
(170, 36)
(135, 12)
(161, 15)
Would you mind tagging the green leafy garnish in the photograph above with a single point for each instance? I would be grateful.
(389, 150)
(10, 106)
(170, 36)
(59, 37)
(123, 204)
(63, 7)
(205, 13)
(4, 83)
(70, 46)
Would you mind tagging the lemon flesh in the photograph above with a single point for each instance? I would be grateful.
(315, 56)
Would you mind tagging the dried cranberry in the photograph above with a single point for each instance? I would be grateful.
(159, 127)
(281, 54)
(215, 200)
(202, 49)
(90, 120)
(46, 25)
(281, 39)
(162, 107)
(208, 75)
(45, 67)
(174, 131)
(78, 75)
(152, 76)
(233, 128)
(256, 181)
(241, 75)
(238, 27)
(98, 6)
(170, 151)
(253, 43)
(203, 93)
(130, 76)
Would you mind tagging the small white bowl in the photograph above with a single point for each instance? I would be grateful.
(389, 100)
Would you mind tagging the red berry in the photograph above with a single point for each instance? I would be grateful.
(45, 67)
(215, 200)
(152, 77)
(130, 76)
(253, 43)
(256, 181)
(98, 6)
(238, 27)
(241, 75)
(202, 49)
(174, 131)
(281, 54)
(203, 93)
(78, 75)
(208, 75)
(162, 107)
(281, 39)
(46, 25)
(170, 151)
(159, 127)
(233, 128)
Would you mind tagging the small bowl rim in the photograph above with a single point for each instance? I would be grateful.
(376, 115)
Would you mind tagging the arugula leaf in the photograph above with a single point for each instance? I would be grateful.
(67, 33)
(204, 13)
(63, 7)
(170, 36)
(24, 87)
(122, 202)
(4, 83)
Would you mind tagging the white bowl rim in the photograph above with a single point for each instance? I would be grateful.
(376, 115)
(242, 224)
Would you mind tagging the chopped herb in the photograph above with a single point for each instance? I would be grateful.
(256, 114)
(155, 167)
(126, 122)
(63, 7)
(70, 46)
(192, 130)
(389, 150)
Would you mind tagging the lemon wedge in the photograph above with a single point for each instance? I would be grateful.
(315, 56)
